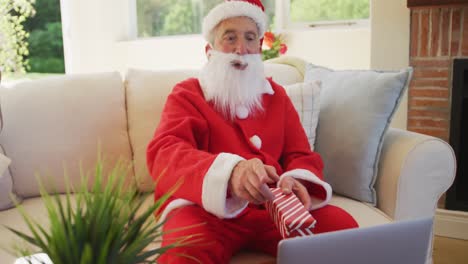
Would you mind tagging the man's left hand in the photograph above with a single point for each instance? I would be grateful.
(288, 184)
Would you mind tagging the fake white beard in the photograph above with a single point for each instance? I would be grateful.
(228, 87)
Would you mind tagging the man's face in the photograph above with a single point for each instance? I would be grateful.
(237, 35)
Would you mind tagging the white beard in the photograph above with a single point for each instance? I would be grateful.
(228, 87)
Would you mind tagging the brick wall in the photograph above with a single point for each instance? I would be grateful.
(438, 34)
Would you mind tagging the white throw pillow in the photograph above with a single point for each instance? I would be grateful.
(306, 100)
(356, 107)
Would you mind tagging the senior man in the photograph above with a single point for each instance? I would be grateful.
(229, 134)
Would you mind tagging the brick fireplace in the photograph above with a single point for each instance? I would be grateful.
(439, 34)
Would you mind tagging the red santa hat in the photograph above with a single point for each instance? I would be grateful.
(235, 8)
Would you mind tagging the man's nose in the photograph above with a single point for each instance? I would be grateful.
(241, 48)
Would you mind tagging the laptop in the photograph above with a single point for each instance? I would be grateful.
(394, 243)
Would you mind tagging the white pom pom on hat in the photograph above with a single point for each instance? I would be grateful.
(235, 8)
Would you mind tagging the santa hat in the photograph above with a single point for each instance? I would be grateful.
(235, 8)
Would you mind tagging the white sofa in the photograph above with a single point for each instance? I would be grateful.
(57, 123)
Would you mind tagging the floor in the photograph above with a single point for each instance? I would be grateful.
(450, 251)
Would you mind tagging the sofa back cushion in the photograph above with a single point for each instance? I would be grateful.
(60, 124)
(146, 95)
(283, 74)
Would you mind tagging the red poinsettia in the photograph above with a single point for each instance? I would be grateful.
(272, 46)
(283, 48)
(269, 38)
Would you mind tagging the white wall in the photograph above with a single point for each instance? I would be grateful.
(164, 53)
(97, 37)
(338, 48)
(390, 44)
(91, 28)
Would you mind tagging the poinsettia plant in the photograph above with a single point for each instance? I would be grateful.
(273, 46)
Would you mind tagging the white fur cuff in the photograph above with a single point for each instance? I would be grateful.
(310, 177)
(215, 186)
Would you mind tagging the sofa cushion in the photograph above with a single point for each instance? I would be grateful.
(283, 74)
(356, 107)
(146, 95)
(306, 100)
(61, 123)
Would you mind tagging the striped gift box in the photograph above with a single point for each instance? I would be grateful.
(289, 215)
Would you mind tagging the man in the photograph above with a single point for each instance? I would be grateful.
(228, 135)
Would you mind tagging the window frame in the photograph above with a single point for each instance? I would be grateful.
(283, 21)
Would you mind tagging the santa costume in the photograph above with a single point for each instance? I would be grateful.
(199, 146)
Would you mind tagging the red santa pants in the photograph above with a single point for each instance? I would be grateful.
(222, 238)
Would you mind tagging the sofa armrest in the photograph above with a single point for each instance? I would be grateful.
(414, 172)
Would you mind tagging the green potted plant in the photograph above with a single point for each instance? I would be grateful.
(105, 224)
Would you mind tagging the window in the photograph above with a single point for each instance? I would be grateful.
(181, 17)
(178, 17)
(327, 11)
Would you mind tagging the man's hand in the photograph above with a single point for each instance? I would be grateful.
(249, 181)
(289, 184)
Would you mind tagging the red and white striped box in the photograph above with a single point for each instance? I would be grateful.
(289, 215)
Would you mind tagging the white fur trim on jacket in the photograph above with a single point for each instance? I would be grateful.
(173, 205)
(215, 186)
(234, 9)
(310, 177)
(267, 88)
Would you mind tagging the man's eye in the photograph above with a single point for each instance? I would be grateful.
(230, 38)
(250, 37)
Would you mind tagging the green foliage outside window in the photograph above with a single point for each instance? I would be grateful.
(13, 37)
(45, 40)
(326, 10)
(171, 17)
(31, 36)
(179, 17)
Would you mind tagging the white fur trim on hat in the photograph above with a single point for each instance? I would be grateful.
(234, 9)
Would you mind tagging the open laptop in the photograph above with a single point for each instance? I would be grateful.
(394, 243)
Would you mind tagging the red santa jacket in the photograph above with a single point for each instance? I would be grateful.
(195, 143)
